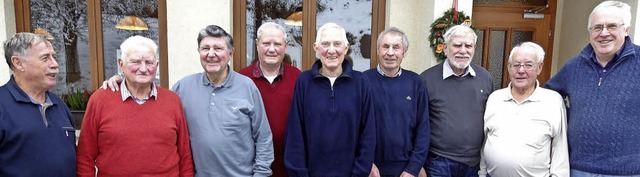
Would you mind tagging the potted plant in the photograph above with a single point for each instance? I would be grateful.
(77, 100)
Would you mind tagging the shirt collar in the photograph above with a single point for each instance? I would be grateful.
(126, 94)
(19, 95)
(226, 83)
(534, 97)
(611, 62)
(448, 71)
(383, 74)
(257, 71)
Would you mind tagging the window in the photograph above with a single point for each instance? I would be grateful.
(363, 20)
(86, 38)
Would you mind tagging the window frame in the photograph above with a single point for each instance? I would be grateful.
(96, 50)
(239, 19)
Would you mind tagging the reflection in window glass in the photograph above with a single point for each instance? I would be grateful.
(66, 21)
(355, 17)
(114, 11)
(260, 11)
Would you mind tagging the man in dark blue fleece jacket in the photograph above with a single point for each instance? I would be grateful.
(402, 111)
(37, 137)
(602, 85)
(331, 125)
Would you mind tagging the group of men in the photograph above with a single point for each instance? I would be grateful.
(272, 119)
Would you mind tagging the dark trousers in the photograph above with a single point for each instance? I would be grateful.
(438, 166)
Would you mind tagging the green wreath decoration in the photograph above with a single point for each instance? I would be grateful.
(440, 26)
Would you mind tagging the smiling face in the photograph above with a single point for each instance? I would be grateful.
(391, 52)
(214, 54)
(271, 46)
(607, 41)
(460, 51)
(139, 66)
(38, 67)
(523, 69)
(331, 48)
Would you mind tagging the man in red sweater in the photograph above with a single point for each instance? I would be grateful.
(276, 81)
(139, 131)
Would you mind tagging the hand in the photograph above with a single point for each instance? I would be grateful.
(422, 173)
(374, 171)
(406, 174)
(112, 83)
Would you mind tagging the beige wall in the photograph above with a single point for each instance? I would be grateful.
(8, 29)
(185, 18)
(571, 28)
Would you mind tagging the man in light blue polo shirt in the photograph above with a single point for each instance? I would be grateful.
(230, 133)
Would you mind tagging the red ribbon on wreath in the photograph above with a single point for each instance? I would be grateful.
(455, 11)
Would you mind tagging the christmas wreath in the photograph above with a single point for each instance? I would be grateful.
(450, 18)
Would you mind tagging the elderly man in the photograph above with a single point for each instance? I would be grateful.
(37, 137)
(402, 112)
(457, 92)
(230, 133)
(524, 124)
(139, 131)
(276, 81)
(601, 86)
(331, 126)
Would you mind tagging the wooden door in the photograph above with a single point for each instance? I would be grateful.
(500, 27)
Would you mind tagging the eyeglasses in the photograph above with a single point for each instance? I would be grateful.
(516, 66)
(610, 27)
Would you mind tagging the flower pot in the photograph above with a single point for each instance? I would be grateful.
(77, 118)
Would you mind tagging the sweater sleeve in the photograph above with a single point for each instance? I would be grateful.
(365, 152)
(422, 132)
(88, 142)
(295, 151)
(556, 83)
(262, 136)
(184, 147)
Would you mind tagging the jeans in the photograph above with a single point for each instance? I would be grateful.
(438, 166)
(578, 173)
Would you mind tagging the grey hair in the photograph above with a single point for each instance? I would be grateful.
(215, 31)
(19, 44)
(459, 31)
(270, 25)
(620, 7)
(331, 25)
(396, 31)
(134, 41)
(539, 52)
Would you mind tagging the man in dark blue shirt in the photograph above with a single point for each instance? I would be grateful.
(37, 137)
(402, 111)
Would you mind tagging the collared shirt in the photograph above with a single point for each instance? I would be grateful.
(257, 72)
(126, 94)
(525, 138)
(228, 126)
(43, 107)
(379, 69)
(448, 71)
(603, 71)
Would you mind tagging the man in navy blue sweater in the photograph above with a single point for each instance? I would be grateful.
(331, 124)
(601, 85)
(37, 137)
(402, 112)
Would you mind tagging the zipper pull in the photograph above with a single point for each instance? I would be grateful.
(66, 132)
(599, 81)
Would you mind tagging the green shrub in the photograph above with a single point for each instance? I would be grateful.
(77, 99)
